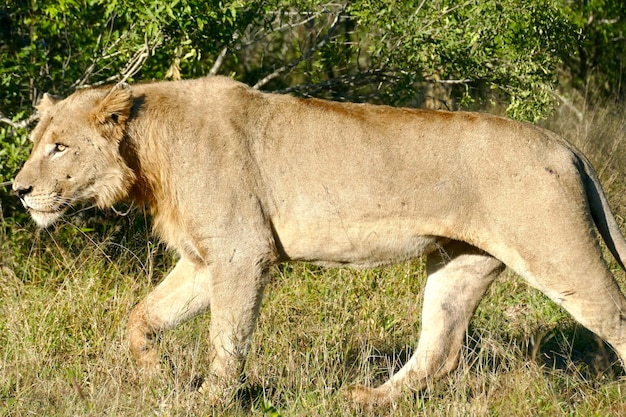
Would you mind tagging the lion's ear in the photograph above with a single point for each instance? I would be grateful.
(111, 114)
(46, 102)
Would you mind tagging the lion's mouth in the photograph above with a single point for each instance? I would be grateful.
(45, 216)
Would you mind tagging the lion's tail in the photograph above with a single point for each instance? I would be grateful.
(602, 215)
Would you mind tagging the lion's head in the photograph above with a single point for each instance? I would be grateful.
(76, 153)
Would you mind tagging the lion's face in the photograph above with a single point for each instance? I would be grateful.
(75, 154)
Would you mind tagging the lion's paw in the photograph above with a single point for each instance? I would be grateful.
(369, 397)
(217, 392)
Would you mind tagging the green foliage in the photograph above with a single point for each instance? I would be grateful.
(441, 53)
(598, 65)
(389, 51)
(483, 47)
(59, 45)
(13, 150)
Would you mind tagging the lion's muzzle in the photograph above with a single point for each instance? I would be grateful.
(44, 208)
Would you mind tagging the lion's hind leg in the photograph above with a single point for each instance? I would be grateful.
(458, 276)
(581, 283)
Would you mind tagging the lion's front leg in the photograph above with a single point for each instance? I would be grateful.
(184, 293)
(232, 289)
(235, 304)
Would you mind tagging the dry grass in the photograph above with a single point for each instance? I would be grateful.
(599, 131)
(64, 301)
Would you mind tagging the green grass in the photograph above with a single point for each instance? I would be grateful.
(63, 348)
(65, 297)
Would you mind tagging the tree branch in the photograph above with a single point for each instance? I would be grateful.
(278, 72)
(353, 80)
(108, 51)
(133, 66)
(22, 124)
(465, 81)
(262, 34)
(218, 61)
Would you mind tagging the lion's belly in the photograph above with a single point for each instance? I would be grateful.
(364, 245)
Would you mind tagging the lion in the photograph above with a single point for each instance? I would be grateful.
(239, 180)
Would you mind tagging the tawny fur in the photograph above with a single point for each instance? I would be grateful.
(238, 180)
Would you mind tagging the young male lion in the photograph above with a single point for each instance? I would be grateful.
(238, 180)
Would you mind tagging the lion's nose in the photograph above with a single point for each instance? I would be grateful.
(22, 190)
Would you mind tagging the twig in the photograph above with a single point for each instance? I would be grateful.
(140, 57)
(361, 78)
(108, 52)
(465, 81)
(132, 67)
(218, 61)
(287, 26)
(22, 124)
(6, 183)
(278, 72)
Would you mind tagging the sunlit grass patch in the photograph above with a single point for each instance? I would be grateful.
(320, 331)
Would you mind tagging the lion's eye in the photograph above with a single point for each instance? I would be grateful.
(59, 147)
(55, 150)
